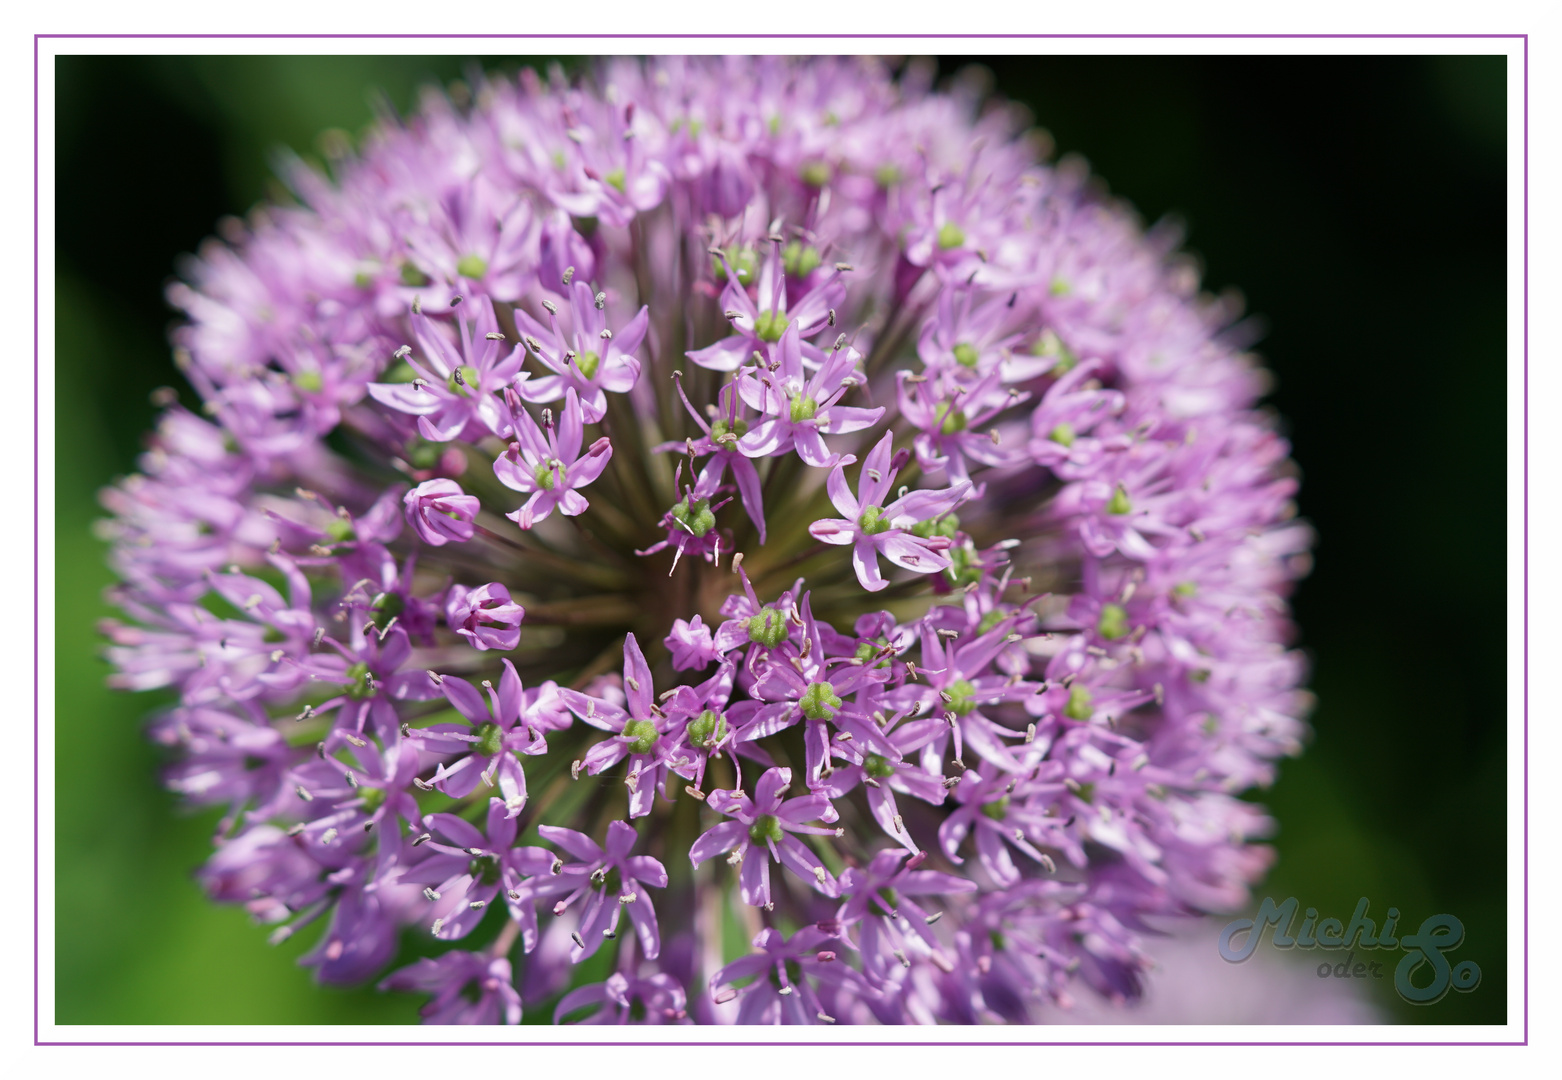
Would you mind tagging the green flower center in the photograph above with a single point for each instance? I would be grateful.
(944, 525)
(877, 766)
(819, 701)
(468, 384)
(373, 798)
(616, 178)
(990, 620)
(1113, 623)
(1119, 503)
(1185, 589)
(799, 260)
(770, 325)
(472, 266)
(872, 522)
(309, 382)
(423, 454)
(412, 277)
(804, 408)
(953, 421)
(794, 974)
(588, 362)
(358, 684)
(707, 729)
(642, 735)
(694, 516)
(386, 607)
(340, 530)
(950, 236)
(719, 428)
(963, 569)
(887, 176)
(765, 827)
(962, 697)
(966, 355)
(768, 627)
(490, 739)
(485, 868)
(867, 650)
(544, 474)
(399, 372)
(742, 261)
(1080, 705)
(1063, 434)
(815, 173)
(1049, 344)
(998, 809)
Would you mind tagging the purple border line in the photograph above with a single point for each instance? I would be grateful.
(37, 38)
(1526, 539)
(785, 37)
(37, 682)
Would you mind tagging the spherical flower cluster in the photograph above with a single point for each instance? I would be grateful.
(707, 502)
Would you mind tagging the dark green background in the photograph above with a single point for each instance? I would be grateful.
(1359, 203)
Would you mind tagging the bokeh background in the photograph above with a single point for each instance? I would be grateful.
(1358, 203)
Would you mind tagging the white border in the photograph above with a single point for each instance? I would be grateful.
(843, 1057)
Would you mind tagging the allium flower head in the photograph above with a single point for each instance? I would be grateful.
(917, 582)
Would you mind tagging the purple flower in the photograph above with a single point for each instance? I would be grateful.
(720, 440)
(462, 871)
(757, 326)
(762, 831)
(896, 929)
(485, 616)
(873, 528)
(588, 358)
(466, 988)
(486, 751)
(612, 881)
(639, 728)
(622, 1000)
(784, 978)
(439, 512)
(691, 645)
(546, 462)
(795, 408)
(691, 523)
(452, 391)
(883, 776)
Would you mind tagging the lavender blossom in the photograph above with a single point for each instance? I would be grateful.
(440, 512)
(675, 301)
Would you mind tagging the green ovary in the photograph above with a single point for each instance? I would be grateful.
(819, 701)
(468, 381)
(804, 408)
(765, 827)
(642, 735)
(768, 628)
(1080, 705)
(962, 697)
(490, 739)
(695, 516)
(770, 325)
(872, 522)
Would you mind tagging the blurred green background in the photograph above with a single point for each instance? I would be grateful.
(1358, 202)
